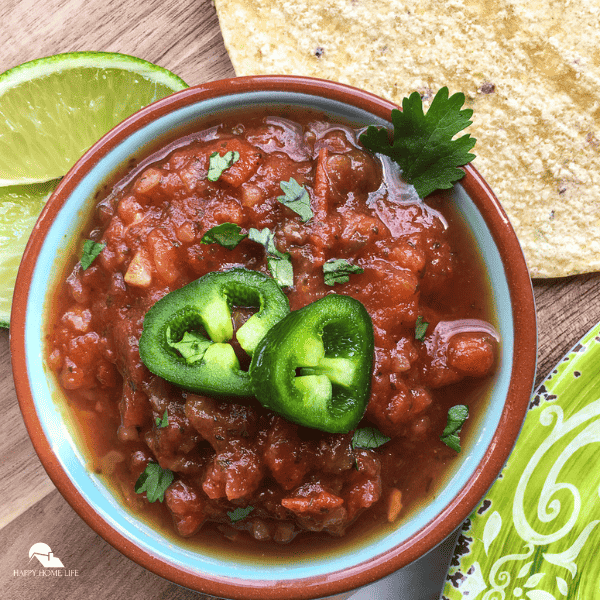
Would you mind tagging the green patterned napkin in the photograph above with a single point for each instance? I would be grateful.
(535, 535)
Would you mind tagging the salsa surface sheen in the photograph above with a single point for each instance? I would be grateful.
(417, 259)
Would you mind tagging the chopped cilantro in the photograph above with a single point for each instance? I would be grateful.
(226, 234)
(91, 249)
(338, 270)
(280, 263)
(420, 328)
(239, 514)
(422, 143)
(457, 416)
(154, 481)
(266, 238)
(297, 198)
(282, 270)
(192, 346)
(162, 422)
(217, 163)
(368, 438)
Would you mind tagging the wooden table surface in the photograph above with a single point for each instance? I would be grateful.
(183, 36)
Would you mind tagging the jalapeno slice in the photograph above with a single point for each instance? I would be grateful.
(186, 333)
(314, 366)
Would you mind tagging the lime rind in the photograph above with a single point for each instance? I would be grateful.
(53, 109)
(74, 60)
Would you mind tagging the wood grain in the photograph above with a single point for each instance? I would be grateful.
(181, 36)
(184, 37)
(566, 309)
(101, 571)
(22, 481)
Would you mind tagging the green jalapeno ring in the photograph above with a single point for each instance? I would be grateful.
(314, 366)
(186, 333)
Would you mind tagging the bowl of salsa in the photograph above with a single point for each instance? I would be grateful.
(253, 358)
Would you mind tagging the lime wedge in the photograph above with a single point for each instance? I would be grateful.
(53, 109)
(20, 206)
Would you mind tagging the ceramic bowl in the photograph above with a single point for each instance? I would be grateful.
(311, 574)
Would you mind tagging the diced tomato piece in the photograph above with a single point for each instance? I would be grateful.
(186, 506)
(471, 354)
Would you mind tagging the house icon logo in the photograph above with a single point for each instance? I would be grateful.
(44, 554)
(52, 566)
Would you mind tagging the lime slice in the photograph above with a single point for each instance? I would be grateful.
(53, 109)
(20, 206)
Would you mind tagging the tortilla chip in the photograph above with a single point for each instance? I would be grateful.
(530, 70)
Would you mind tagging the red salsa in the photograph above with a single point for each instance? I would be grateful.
(236, 466)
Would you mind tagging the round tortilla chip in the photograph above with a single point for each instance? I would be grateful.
(530, 70)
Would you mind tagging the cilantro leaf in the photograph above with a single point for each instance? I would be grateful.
(192, 346)
(338, 270)
(297, 198)
(266, 238)
(280, 263)
(91, 249)
(162, 421)
(282, 270)
(217, 163)
(154, 481)
(457, 416)
(422, 143)
(226, 234)
(420, 328)
(369, 438)
(239, 514)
